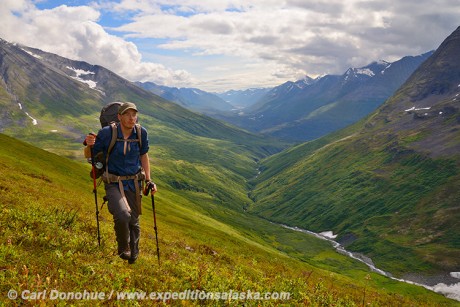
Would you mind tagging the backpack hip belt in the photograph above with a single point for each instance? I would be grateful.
(140, 176)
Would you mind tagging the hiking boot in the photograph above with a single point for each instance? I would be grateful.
(125, 255)
(133, 258)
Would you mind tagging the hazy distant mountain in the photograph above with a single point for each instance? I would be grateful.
(309, 108)
(206, 102)
(301, 110)
(243, 98)
(191, 98)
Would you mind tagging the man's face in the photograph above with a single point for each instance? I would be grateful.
(128, 119)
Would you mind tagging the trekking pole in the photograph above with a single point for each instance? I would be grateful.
(155, 227)
(146, 192)
(95, 196)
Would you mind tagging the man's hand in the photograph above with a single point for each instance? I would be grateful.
(90, 139)
(150, 186)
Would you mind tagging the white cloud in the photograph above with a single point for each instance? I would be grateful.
(324, 37)
(184, 42)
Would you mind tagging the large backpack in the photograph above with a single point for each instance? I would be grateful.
(109, 113)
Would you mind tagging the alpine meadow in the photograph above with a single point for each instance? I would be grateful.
(232, 206)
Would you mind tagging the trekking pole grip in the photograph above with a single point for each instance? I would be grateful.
(148, 187)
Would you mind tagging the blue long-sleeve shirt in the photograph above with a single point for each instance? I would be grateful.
(122, 164)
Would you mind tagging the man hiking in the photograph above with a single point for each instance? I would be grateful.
(126, 166)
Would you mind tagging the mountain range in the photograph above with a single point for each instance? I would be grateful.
(200, 101)
(305, 109)
(241, 99)
(191, 98)
(386, 185)
(310, 108)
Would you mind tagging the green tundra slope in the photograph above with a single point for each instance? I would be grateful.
(49, 244)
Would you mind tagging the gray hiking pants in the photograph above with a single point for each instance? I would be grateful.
(127, 229)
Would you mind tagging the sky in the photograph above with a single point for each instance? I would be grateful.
(219, 45)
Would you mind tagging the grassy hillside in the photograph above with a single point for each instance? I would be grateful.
(395, 202)
(49, 242)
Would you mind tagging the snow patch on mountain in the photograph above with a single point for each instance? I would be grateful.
(354, 72)
(417, 109)
(32, 54)
(80, 72)
(365, 71)
(34, 121)
(383, 70)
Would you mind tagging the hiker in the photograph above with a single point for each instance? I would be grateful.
(126, 167)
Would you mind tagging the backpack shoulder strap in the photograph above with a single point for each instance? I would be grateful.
(113, 140)
(139, 137)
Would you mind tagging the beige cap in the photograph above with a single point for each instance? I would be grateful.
(125, 106)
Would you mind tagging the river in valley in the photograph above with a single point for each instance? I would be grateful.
(449, 285)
